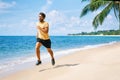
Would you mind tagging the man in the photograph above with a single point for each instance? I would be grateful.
(43, 38)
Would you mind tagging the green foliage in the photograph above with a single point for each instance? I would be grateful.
(100, 17)
(107, 6)
(105, 32)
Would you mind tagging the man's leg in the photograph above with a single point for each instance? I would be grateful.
(50, 52)
(37, 49)
(52, 55)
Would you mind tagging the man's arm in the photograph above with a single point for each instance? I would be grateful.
(45, 29)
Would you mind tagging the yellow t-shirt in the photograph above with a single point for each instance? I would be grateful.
(41, 34)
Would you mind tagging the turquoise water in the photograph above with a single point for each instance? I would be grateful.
(20, 49)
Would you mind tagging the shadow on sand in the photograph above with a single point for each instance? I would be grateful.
(58, 66)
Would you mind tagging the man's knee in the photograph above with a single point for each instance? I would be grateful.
(37, 45)
(49, 50)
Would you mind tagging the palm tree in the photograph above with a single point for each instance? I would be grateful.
(107, 6)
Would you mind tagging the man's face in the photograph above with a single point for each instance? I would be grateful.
(41, 18)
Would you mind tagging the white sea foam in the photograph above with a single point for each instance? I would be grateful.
(9, 64)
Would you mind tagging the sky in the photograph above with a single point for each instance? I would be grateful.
(19, 17)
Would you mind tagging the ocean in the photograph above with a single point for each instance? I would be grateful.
(15, 50)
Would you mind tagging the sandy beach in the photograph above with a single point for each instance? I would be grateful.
(101, 63)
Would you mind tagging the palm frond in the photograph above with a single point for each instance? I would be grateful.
(94, 5)
(98, 20)
(85, 10)
(84, 0)
(107, 5)
(116, 10)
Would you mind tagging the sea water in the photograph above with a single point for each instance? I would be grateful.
(16, 50)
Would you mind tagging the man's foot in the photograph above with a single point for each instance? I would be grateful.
(53, 61)
(38, 62)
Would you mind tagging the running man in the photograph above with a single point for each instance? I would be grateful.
(43, 38)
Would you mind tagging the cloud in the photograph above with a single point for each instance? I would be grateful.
(55, 17)
(110, 22)
(59, 18)
(28, 23)
(110, 17)
(49, 1)
(7, 25)
(3, 25)
(62, 24)
(96, 12)
(5, 5)
(4, 11)
(24, 27)
(46, 6)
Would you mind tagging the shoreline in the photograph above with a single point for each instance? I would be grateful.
(59, 53)
(103, 58)
(96, 35)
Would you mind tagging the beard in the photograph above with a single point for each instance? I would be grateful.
(41, 20)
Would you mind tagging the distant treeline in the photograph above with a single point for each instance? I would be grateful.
(105, 32)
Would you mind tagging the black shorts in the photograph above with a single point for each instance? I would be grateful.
(46, 43)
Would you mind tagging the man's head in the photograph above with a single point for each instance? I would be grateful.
(41, 16)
